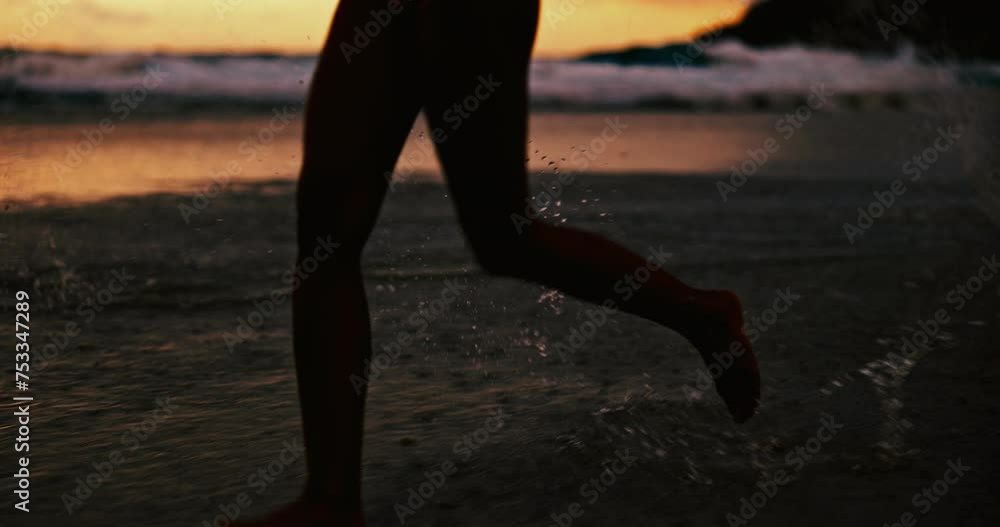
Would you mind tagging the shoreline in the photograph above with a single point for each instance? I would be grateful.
(27, 107)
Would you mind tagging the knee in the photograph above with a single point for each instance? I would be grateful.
(326, 237)
(333, 223)
(324, 253)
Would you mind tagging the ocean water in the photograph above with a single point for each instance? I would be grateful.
(733, 75)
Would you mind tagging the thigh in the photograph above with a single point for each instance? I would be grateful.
(362, 103)
(477, 101)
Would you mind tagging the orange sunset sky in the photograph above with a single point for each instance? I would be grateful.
(299, 26)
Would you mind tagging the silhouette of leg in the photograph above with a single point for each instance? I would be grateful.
(361, 108)
(483, 156)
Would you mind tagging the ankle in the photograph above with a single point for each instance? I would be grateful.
(331, 501)
(706, 310)
(716, 302)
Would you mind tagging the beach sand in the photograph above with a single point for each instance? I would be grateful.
(189, 282)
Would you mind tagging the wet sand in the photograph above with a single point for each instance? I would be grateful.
(163, 336)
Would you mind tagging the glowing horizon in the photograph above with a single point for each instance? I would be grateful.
(566, 27)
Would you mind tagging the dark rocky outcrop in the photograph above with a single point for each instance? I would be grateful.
(939, 29)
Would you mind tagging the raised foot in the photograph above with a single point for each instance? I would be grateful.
(306, 514)
(727, 353)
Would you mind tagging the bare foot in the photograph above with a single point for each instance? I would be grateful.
(727, 353)
(308, 514)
